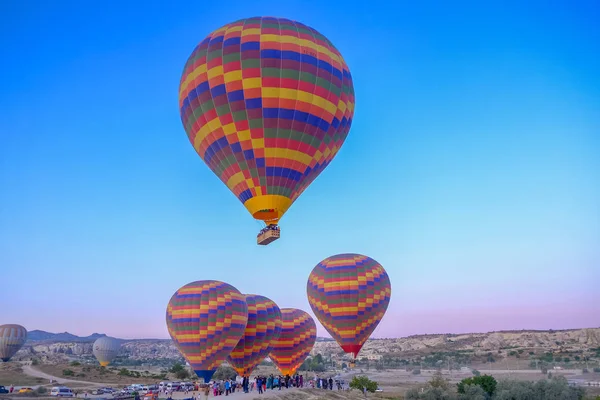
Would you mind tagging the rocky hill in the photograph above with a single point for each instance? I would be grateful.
(53, 348)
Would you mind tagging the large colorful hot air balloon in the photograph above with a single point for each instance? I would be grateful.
(267, 103)
(298, 336)
(349, 294)
(263, 328)
(206, 320)
(105, 349)
(12, 338)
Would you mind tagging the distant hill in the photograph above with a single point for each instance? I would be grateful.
(39, 336)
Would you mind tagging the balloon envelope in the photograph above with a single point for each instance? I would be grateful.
(206, 320)
(12, 338)
(267, 103)
(105, 349)
(349, 294)
(263, 328)
(298, 336)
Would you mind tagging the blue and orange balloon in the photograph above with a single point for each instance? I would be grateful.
(206, 320)
(262, 330)
(267, 103)
(298, 336)
(349, 294)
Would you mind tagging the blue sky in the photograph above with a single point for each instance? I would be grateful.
(471, 172)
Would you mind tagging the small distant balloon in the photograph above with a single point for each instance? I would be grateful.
(298, 336)
(349, 294)
(12, 338)
(106, 349)
(262, 330)
(206, 320)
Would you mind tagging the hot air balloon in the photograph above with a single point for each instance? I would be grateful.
(105, 349)
(349, 294)
(206, 320)
(12, 338)
(267, 103)
(263, 328)
(298, 336)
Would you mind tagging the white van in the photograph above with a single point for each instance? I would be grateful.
(174, 386)
(61, 391)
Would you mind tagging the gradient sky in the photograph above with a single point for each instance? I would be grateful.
(471, 172)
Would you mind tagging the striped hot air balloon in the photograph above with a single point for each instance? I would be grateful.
(298, 336)
(105, 349)
(349, 294)
(267, 103)
(262, 330)
(12, 338)
(206, 320)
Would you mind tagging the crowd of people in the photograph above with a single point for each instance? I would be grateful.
(261, 384)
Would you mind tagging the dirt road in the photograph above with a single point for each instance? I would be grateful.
(29, 370)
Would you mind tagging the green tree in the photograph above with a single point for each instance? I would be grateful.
(182, 374)
(487, 383)
(224, 372)
(176, 368)
(363, 384)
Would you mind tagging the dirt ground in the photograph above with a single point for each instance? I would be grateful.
(12, 374)
(92, 374)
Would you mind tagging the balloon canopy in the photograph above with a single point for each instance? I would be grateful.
(262, 330)
(12, 338)
(206, 320)
(349, 294)
(105, 349)
(298, 336)
(267, 103)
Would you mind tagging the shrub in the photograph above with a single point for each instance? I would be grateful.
(487, 383)
(224, 372)
(416, 371)
(476, 372)
(75, 364)
(68, 372)
(184, 374)
(596, 370)
(363, 384)
(41, 390)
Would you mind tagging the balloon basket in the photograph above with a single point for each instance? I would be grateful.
(268, 235)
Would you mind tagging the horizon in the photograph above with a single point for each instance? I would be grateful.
(470, 173)
(329, 338)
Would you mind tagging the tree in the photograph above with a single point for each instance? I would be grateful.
(224, 372)
(555, 389)
(438, 381)
(473, 392)
(182, 374)
(488, 383)
(176, 368)
(363, 384)
(68, 372)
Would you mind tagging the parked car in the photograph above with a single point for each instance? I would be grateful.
(61, 391)
(3, 390)
(25, 390)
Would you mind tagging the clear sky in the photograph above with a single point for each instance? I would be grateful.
(471, 172)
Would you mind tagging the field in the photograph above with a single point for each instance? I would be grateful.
(86, 373)
(12, 374)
